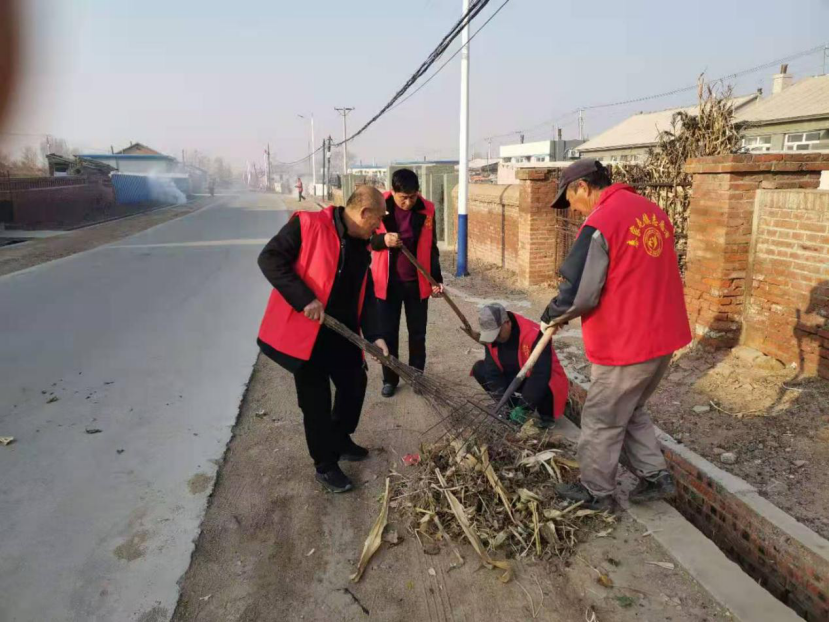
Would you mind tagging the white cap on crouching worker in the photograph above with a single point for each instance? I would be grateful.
(490, 319)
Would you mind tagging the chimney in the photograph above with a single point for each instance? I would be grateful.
(781, 80)
(559, 134)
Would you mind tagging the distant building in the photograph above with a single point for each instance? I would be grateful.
(793, 118)
(630, 140)
(61, 166)
(139, 163)
(368, 170)
(139, 149)
(538, 151)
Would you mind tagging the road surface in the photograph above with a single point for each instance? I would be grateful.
(150, 341)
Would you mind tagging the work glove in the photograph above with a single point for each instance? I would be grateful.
(519, 415)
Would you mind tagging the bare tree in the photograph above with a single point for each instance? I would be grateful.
(30, 163)
(52, 145)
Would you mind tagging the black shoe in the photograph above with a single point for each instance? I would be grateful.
(545, 423)
(576, 492)
(388, 390)
(656, 488)
(353, 452)
(334, 480)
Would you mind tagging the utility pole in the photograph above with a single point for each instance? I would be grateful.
(328, 168)
(344, 112)
(268, 170)
(325, 177)
(581, 126)
(463, 146)
(489, 140)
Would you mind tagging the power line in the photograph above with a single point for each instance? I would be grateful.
(738, 74)
(475, 8)
(457, 52)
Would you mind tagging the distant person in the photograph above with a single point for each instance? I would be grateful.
(508, 340)
(410, 223)
(621, 277)
(299, 187)
(318, 264)
(211, 186)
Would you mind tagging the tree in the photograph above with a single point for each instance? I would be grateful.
(52, 145)
(30, 163)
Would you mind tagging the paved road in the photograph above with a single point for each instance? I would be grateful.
(150, 340)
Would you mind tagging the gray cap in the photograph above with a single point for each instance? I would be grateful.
(490, 319)
(576, 171)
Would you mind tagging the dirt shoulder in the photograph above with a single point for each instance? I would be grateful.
(17, 257)
(275, 546)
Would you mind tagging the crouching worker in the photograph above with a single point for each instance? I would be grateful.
(318, 264)
(508, 341)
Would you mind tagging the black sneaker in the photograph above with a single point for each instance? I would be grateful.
(334, 480)
(353, 452)
(545, 423)
(576, 492)
(656, 488)
(388, 390)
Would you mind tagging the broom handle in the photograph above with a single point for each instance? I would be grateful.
(468, 329)
(534, 357)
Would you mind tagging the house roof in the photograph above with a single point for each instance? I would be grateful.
(139, 148)
(805, 99)
(124, 157)
(643, 129)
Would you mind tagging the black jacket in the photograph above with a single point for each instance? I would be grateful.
(418, 220)
(535, 387)
(276, 261)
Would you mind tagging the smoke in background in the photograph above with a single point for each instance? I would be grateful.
(164, 190)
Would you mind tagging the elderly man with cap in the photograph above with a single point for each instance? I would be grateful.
(621, 277)
(508, 340)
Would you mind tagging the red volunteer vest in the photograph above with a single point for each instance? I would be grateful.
(285, 329)
(423, 253)
(641, 313)
(558, 383)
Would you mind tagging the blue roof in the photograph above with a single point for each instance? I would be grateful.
(127, 156)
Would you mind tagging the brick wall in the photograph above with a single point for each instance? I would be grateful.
(720, 232)
(784, 556)
(513, 226)
(62, 206)
(786, 309)
(492, 223)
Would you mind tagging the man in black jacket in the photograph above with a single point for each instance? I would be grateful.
(333, 359)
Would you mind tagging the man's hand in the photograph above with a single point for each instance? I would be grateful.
(315, 311)
(381, 344)
(544, 326)
(438, 291)
(392, 240)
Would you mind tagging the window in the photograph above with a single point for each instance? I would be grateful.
(757, 143)
(539, 159)
(806, 141)
(506, 160)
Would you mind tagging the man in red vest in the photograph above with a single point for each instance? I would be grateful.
(409, 222)
(318, 264)
(508, 340)
(299, 187)
(622, 279)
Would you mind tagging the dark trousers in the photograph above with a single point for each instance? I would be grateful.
(404, 294)
(495, 382)
(336, 361)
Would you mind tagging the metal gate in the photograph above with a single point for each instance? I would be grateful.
(566, 227)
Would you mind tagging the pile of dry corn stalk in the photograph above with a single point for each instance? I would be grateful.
(501, 499)
(662, 177)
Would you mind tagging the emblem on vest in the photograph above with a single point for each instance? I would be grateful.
(428, 222)
(526, 350)
(650, 232)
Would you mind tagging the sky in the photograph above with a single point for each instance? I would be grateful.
(227, 78)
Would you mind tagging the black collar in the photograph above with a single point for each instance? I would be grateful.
(339, 223)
